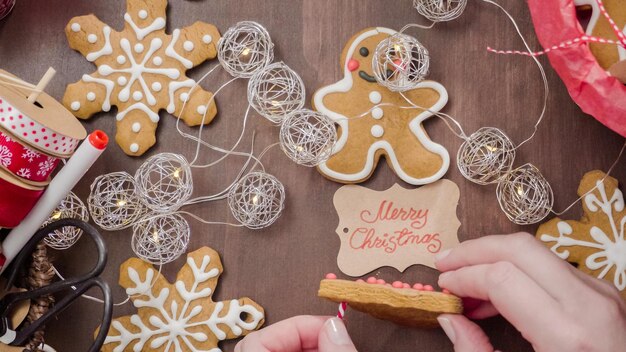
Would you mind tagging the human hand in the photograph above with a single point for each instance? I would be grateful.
(303, 333)
(555, 306)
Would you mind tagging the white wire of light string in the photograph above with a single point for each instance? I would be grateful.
(128, 297)
(443, 116)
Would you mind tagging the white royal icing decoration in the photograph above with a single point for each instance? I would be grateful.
(136, 127)
(138, 48)
(106, 49)
(159, 23)
(377, 113)
(108, 85)
(377, 131)
(92, 38)
(201, 109)
(611, 250)
(157, 60)
(188, 45)
(154, 117)
(174, 327)
(137, 95)
(91, 96)
(415, 125)
(173, 87)
(75, 105)
(121, 59)
(143, 14)
(75, 27)
(207, 39)
(137, 70)
(375, 97)
(122, 80)
(134, 147)
(169, 51)
(156, 86)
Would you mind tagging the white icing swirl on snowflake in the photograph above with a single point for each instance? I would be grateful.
(610, 250)
(173, 327)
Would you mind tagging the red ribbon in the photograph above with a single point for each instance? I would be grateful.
(16, 202)
(597, 93)
(25, 162)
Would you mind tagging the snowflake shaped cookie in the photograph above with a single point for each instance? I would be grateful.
(182, 316)
(596, 243)
(141, 70)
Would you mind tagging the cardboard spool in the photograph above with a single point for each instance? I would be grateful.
(46, 111)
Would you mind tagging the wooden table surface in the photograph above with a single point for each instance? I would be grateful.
(280, 267)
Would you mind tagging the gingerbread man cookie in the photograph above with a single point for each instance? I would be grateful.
(388, 129)
(181, 316)
(610, 57)
(596, 243)
(141, 70)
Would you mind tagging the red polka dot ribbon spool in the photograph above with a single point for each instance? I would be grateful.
(17, 199)
(30, 165)
(44, 125)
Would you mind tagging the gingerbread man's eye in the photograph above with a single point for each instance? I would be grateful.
(364, 51)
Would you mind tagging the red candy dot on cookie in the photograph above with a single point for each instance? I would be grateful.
(405, 285)
(428, 288)
(331, 276)
(371, 280)
(360, 281)
(380, 282)
(446, 291)
(397, 284)
(353, 65)
(418, 286)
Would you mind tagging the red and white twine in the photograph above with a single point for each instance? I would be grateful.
(568, 43)
(341, 312)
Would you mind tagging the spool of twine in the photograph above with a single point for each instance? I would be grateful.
(40, 274)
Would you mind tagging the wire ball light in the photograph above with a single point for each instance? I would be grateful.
(70, 208)
(164, 182)
(440, 10)
(400, 62)
(244, 49)
(308, 137)
(486, 156)
(276, 91)
(160, 239)
(113, 202)
(525, 195)
(257, 200)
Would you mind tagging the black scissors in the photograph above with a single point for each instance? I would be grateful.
(11, 335)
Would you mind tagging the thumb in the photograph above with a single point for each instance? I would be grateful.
(334, 337)
(465, 335)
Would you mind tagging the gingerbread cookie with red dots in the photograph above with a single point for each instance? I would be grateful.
(389, 129)
(611, 57)
(141, 70)
(409, 305)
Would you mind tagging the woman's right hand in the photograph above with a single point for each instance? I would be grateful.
(555, 306)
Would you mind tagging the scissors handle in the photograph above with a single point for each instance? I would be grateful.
(42, 233)
(23, 334)
(76, 286)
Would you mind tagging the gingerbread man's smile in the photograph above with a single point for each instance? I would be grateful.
(354, 65)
